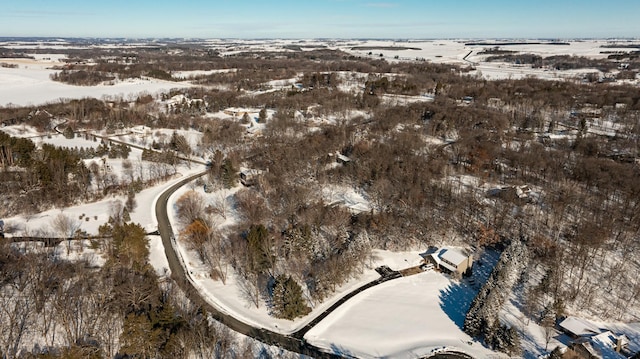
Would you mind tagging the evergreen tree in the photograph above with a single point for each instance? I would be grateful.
(246, 119)
(287, 300)
(228, 174)
(125, 215)
(68, 132)
(138, 338)
(260, 258)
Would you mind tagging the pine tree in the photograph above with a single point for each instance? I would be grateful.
(138, 338)
(259, 252)
(228, 174)
(68, 132)
(287, 299)
(246, 119)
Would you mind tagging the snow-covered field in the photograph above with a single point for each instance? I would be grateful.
(29, 84)
(454, 51)
(404, 318)
(462, 53)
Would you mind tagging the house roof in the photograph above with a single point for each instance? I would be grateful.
(440, 263)
(250, 171)
(579, 327)
(589, 348)
(452, 255)
(342, 157)
(605, 343)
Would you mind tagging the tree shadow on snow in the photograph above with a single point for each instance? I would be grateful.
(455, 301)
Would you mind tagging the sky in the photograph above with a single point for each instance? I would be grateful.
(388, 19)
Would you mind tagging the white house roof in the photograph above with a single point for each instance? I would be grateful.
(343, 157)
(250, 171)
(579, 326)
(440, 263)
(452, 255)
(606, 343)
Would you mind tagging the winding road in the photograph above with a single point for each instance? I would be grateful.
(294, 342)
(291, 343)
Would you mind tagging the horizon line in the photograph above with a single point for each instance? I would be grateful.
(545, 38)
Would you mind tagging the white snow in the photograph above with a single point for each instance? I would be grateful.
(22, 131)
(189, 75)
(29, 84)
(25, 225)
(348, 197)
(403, 318)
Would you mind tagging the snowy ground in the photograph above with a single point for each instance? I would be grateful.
(354, 200)
(408, 317)
(454, 51)
(230, 297)
(459, 52)
(404, 318)
(189, 75)
(29, 84)
(97, 213)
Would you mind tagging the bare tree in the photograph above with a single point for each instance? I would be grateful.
(66, 227)
(16, 315)
(190, 207)
(116, 211)
(219, 204)
(214, 250)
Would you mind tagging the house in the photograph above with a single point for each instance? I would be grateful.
(591, 342)
(249, 177)
(582, 349)
(450, 259)
(239, 112)
(512, 193)
(342, 159)
(605, 345)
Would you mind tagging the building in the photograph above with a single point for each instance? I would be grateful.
(342, 159)
(592, 342)
(249, 177)
(512, 193)
(450, 259)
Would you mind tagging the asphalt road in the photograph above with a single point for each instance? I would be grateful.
(178, 274)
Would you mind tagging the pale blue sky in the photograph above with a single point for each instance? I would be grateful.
(321, 18)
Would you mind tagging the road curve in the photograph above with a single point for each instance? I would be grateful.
(178, 274)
